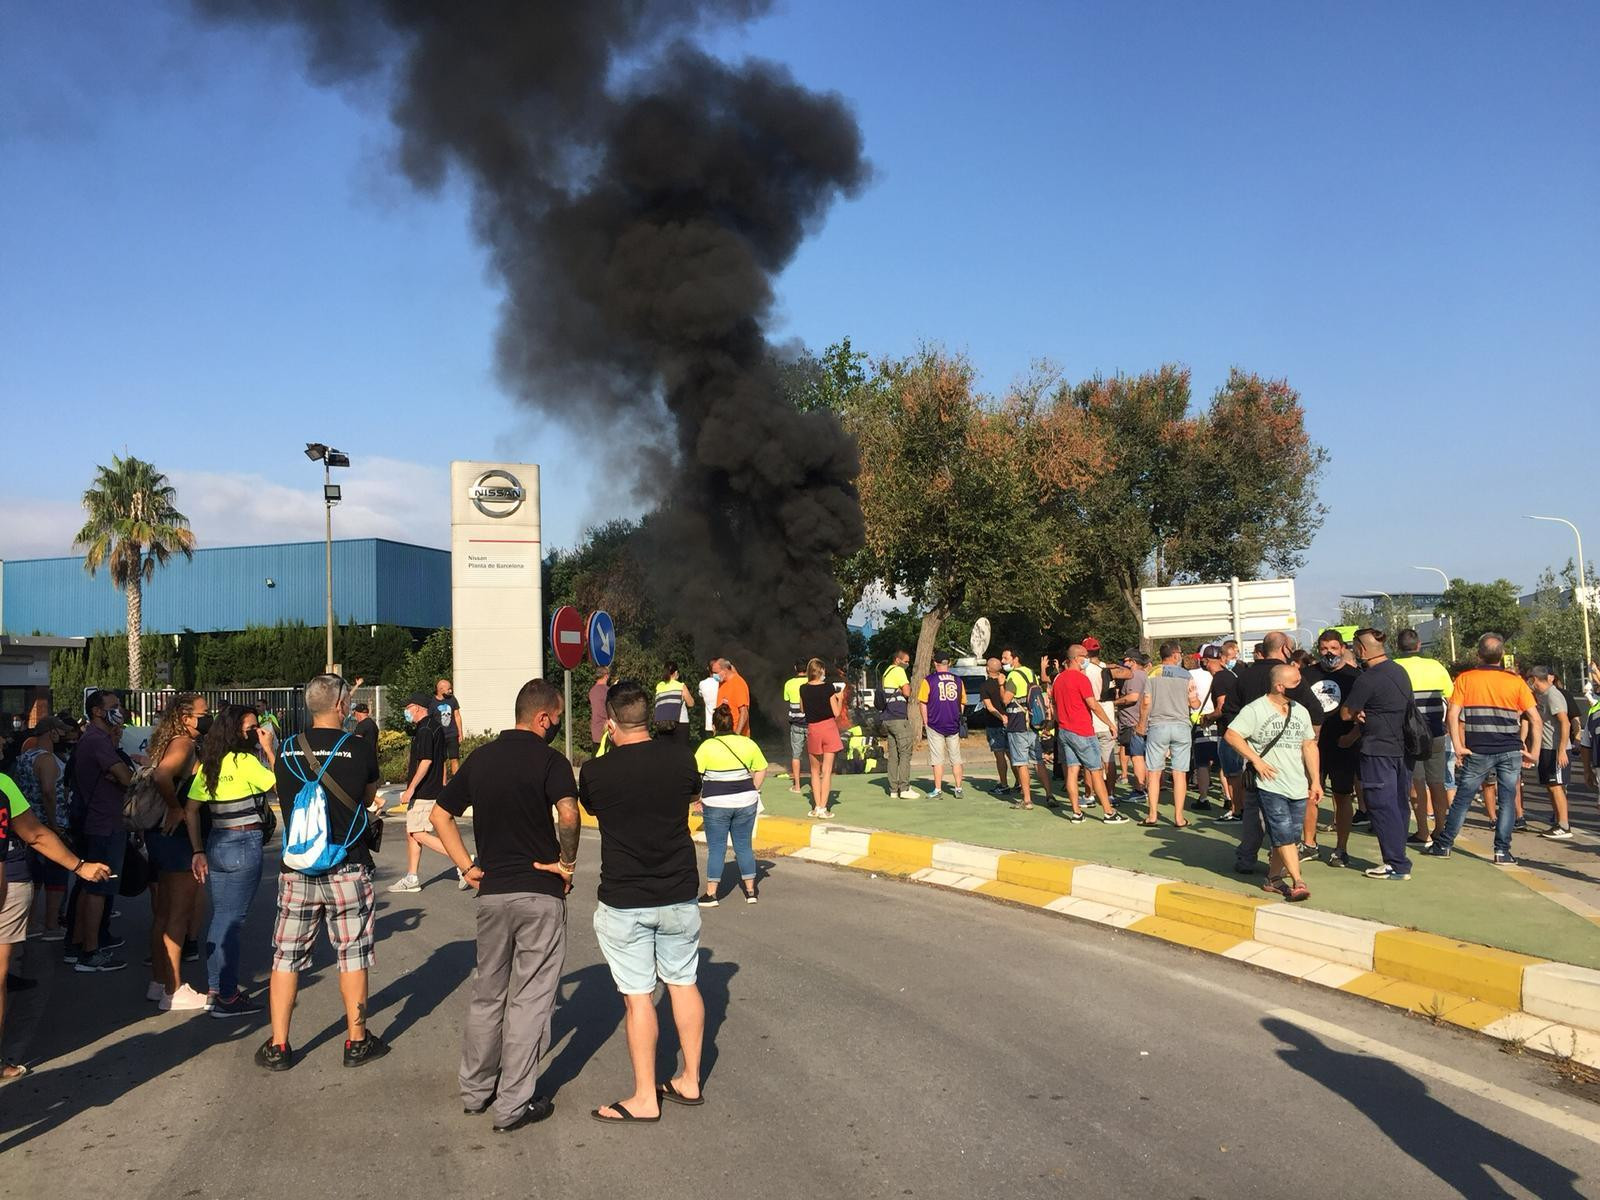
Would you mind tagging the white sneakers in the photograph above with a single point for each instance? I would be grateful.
(908, 794)
(185, 999)
(406, 883)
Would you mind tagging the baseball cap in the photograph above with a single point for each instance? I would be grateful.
(1091, 644)
(1211, 652)
(420, 700)
(360, 706)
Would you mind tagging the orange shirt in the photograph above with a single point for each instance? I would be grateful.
(735, 693)
(1490, 700)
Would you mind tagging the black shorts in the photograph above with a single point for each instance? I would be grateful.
(452, 748)
(1340, 768)
(1551, 772)
(1205, 752)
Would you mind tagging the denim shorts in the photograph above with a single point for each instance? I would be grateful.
(1131, 740)
(1232, 761)
(1024, 749)
(170, 853)
(642, 945)
(1169, 737)
(997, 739)
(1078, 750)
(1285, 817)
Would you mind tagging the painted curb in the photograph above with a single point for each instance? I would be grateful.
(1550, 1007)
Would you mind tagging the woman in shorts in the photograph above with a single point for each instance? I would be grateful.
(172, 758)
(822, 706)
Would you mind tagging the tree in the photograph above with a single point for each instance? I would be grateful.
(133, 527)
(424, 667)
(1553, 633)
(1186, 498)
(953, 488)
(1479, 608)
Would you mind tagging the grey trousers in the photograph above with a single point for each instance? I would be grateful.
(522, 943)
(900, 747)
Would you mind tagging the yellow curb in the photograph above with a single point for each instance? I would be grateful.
(1170, 930)
(1476, 1015)
(1037, 871)
(1209, 908)
(884, 865)
(1477, 972)
(1037, 897)
(784, 829)
(915, 852)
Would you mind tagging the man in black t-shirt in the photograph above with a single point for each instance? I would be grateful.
(362, 724)
(524, 871)
(647, 921)
(1377, 703)
(992, 706)
(341, 898)
(424, 782)
(448, 710)
(1223, 702)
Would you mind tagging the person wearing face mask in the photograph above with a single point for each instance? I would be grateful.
(425, 780)
(339, 899)
(1331, 678)
(41, 775)
(172, 757)
(101, 775)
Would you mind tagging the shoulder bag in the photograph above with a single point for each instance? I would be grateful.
(1250, 782)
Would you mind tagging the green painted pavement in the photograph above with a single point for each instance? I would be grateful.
(1462, 896)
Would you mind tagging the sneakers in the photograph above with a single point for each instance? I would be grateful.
(1075, 817)
(191, 950)
(1230, 816)
(1113, 818)
(1386, 872)
(239, 1005)
(272, 1057)
(1500, 860)
(113, 943)
(1338, 858)
(185, 999)
(1361, 818)
(406, 883)
(1201, 805)
(99, 960)
(1309, 853)
(908, 794)
(822, 814)
(538, 1109)
(956, 792)
(154, 991)
(1520, 825)
(935, 793)
(708, 900)
(58, 934)
(70, 953)
(751, 898)
(1435, 850)
(358, 1054)
(1419, 839)
(461, 881)
(1557, 833)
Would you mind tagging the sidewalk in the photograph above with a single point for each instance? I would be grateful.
(1462, 897)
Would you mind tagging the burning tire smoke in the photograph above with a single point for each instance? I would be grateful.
(637, 197)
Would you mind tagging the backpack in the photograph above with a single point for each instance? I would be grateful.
(1414, 731)
(1038, 711)
(307, 848)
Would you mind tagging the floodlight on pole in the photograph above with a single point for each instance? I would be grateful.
(331, 495)
(1450, 623)
(1581, 595)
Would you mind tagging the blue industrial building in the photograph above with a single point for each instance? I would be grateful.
(375, 582)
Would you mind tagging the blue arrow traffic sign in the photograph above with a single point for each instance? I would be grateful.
(602, 638)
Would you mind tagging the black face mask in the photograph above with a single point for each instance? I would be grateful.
(203, 725)
(552, 733)
(1330, 661)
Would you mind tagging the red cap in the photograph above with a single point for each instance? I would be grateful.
(1092, 645)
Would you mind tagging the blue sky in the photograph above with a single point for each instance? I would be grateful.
(204, 259)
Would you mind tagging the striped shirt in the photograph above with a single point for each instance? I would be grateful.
(1491, 700)
(1431, 686)
(670, 704)
(728, 763)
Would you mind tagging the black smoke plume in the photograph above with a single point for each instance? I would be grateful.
(637, 197)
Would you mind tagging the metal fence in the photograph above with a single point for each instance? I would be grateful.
(144, 707)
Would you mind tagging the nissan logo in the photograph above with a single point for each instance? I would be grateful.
(497, 493)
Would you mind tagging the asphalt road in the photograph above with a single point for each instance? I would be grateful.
(869, 1037)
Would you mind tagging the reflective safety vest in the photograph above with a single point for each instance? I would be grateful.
(895, 702)
(670, 707)
(791, 697)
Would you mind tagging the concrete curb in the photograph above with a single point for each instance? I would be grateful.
(1550, 1007)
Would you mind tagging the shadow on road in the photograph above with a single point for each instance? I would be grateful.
(1459, 1150)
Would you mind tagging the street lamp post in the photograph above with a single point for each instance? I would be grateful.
(328, 457)
(1582, 595)
(1450, 623)
(1387, 597)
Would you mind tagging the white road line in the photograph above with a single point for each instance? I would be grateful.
(1418, 1065)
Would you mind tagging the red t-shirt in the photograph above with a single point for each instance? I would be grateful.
(1071, 694)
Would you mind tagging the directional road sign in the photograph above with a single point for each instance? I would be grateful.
(602, 638)
(566, 636)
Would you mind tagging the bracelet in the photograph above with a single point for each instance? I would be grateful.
(75, 870)
(195, 852)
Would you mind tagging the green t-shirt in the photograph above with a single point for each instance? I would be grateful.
(1258, 723)
(239, 777)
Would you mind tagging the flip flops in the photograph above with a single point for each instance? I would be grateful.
(667, 1092)
(625, 1117)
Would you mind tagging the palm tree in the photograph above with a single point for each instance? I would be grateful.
(132, 529)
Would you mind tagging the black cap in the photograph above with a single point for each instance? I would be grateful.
(420, 699)
(1210, 651)
(360, 706)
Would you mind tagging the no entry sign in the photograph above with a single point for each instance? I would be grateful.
(566, 636)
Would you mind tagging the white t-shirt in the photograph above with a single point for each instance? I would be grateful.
(1096, 673)
(708, 698)
(1202, 684)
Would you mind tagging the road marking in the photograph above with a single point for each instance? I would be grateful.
(1417, 1065)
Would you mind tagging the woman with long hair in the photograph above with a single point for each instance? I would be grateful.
(731, 770)
(172, 758)
(822, 706)
(233, 789)
(42, 776)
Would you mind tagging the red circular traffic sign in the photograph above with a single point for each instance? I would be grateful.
(566, 636)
